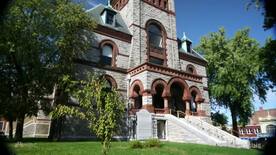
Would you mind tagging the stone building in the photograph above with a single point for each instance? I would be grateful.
(162, 78)
(137, 48)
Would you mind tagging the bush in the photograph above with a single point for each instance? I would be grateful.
(136, 144)
(152, 143)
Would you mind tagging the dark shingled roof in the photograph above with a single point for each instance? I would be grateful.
(192, 53)
(119, 25)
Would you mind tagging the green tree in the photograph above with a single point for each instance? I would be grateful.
(39, 41)
(268, 56)
(219, 119)
(101, 106)
(233, 71)
(268, 8)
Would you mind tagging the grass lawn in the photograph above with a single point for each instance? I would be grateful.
(123, 148)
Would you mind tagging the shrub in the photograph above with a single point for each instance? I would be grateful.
(136, 144)
(152, 143)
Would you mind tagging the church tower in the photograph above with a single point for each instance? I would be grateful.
(153, 27)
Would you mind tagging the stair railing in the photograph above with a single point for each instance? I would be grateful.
(222, 135)
(180, 114)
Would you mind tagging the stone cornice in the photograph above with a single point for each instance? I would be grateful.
(104, 30)
(160, 8)
(100, 66)
(164, 70)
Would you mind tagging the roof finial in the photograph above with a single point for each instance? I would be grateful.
(108, 3)
(184, 36)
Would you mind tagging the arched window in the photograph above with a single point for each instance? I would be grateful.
(108, 86)
(193, 105)
(191, 69)
(156, 43)
(107, 50)
(158, 101)
(110, 82)
(155, 36)
(138, 99)
(176, 100)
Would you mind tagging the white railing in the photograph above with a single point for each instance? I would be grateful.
(216, 132)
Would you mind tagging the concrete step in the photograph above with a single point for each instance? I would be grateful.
(195, 131)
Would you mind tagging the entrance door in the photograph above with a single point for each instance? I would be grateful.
(176, 101)
(161, 129)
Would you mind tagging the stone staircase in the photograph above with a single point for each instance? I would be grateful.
(195, 130)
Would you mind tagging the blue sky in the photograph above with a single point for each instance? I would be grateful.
(199, 17)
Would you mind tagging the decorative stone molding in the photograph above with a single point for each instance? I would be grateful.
(183, 84)
(118, 4)
(156, 83)
(138, 83)
(199, 98)
(111, 80)
(166, 71)
(161, 6)
(113, 33)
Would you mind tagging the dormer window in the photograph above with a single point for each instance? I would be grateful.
(109, 18)
(189, 44)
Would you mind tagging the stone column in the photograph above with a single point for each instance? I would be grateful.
(187, 108)
(166, 105)
(147, 101)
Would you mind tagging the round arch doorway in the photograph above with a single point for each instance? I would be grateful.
(176, 100)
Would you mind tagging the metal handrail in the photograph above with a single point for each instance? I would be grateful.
(217, 132)
(180, 113)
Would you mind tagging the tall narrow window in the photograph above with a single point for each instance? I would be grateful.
(138, 101)
(156, 43)
(158, 101)
(165, 5)
(107, 54)
(109, 18)
(155, 36)
(193, 105)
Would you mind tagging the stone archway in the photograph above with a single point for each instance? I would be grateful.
(196, 99)
(136, 94)
(178, 92)
(111, 81)
(158, 93)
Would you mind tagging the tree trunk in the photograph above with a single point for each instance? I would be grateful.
(19, 127)
(10, 128)
(234, 122)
